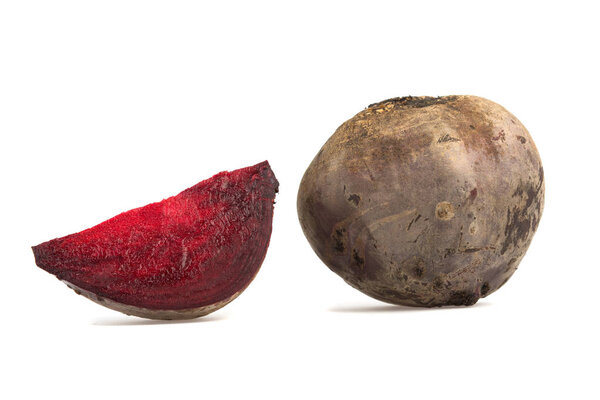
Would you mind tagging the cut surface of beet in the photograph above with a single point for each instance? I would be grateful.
(188, 253)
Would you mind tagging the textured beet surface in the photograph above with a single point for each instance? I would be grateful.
(191, 250)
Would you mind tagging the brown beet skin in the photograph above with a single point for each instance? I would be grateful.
(424, 201)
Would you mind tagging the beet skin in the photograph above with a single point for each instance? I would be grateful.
(424, 201)
(183, 257)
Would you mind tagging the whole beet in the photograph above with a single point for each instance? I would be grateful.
(424, 201)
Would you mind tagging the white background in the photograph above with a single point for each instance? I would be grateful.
(110, 105)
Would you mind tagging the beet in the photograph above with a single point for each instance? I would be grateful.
(183, 257)
(424, 201)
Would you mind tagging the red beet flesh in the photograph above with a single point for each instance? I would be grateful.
(199, 248)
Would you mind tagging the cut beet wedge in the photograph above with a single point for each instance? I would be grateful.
(181, 258)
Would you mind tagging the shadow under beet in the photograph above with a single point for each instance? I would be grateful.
(133, 321)
(392, 308)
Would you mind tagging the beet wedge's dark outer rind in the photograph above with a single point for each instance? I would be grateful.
(180, 258)
(424, 201)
